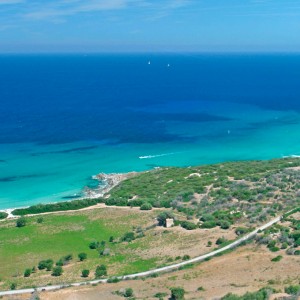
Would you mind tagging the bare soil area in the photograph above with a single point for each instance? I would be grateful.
(248, 268)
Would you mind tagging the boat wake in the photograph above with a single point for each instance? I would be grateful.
(154, 156)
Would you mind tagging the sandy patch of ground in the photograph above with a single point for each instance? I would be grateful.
(248, 268)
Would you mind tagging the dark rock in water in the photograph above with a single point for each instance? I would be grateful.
(2, 161)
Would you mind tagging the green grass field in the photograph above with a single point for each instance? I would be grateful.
(70, 233)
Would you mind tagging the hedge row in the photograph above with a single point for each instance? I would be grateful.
(59, 206)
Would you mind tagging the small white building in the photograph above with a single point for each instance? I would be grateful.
(169, 223)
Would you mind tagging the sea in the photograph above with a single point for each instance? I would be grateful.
(67, 117)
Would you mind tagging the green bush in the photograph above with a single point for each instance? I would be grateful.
(57, 271)
(113, 280)
(128, 237)
(93, 245)
(128, 292)
(221, 240)
(292, 289)
(3, 215)
(40, 220)
(27, 272)
(21, 222)
(209, 224)
(82, 256)
(177, 293)
(277, 258)
(101, 271)
(146, 206)
(45, 264)
(188, 225)
(85, 273)
(225, 224)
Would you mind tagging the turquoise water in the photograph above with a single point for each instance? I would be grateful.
(49, 152)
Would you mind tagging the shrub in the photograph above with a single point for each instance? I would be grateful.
(292, 289)
(128, 237)
(128, 292)
(27, 272)
(188, 225)
(225, 224)
(45, 264)
(277, 258)
(160, 295)
(93, 245)
(113, 280)
(111, 239)
(3, 215)
(21, 222)
(82, 256)
(274, 249)
(186, 257)
(85, 273)
(146, 206)
(177, 293)
(13, 286)
(57, 271)
(59, 263)
(100, 271)
(221, 241)
(40, 220)
(209, 224)
(64, 260)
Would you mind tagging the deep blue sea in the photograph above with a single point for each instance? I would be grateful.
(64, 118)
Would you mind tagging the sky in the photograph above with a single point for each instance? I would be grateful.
(149, 25)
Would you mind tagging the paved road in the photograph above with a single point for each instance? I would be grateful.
(159, 270)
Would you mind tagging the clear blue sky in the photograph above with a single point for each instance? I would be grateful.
(149, 25)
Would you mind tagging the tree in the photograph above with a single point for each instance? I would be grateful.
(85, 273)
(82, 256)
(21, 222)
(100, 271)
(57, 271)
(177, 293)
(27, 272)
(128, 292)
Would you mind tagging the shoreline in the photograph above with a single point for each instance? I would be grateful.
(113, 179)
(110, 181)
